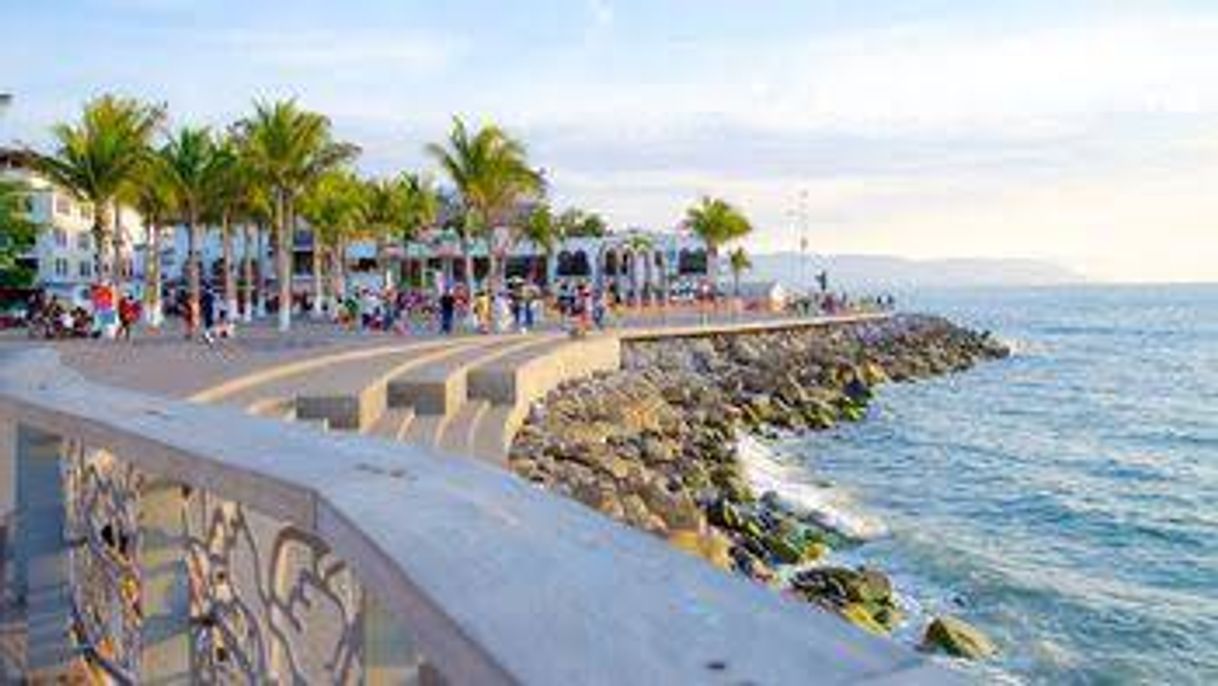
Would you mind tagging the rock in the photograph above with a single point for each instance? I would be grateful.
(712, 547)
(957, 638)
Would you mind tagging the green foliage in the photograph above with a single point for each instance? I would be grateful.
(401, 207)
(739, 261)
(717, 222)
(541, 228)
(99, 158)
(17, 234)
(577, 223)
(288, 148)
(490, 171)
(336, 206)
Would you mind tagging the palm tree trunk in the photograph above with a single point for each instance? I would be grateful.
(467, 251)
(193, 269)
(340, 272)
(247, 270)
(230, 270)
(264, 240)
(283, 265)
(154, 312)
(100, 247)
(116, 245)
(319, 288)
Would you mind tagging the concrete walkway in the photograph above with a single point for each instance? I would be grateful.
(464, 395)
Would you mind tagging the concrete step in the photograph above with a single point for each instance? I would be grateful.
(492, 437)
(393, 424)
(275, 407)
(441, 388)
(457, 437)
(525, 375)
(354, 396)
(425, 429)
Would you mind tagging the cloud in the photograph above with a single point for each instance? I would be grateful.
(417, 52)
(602, 12)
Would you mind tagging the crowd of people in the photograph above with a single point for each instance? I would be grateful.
(516, 306)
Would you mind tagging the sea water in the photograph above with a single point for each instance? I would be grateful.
(1064, 500)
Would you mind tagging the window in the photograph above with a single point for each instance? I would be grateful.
(84, 241)
(61, 267)
(63, 205)
(61, 238)
(85, 269)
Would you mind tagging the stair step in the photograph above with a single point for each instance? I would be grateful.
(394, 423)
(457, 437)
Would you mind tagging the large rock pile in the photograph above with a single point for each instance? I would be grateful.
(653, 445)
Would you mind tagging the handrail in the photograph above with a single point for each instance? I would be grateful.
(496, 580)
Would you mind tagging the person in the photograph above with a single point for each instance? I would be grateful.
(598, 308)
(448, 308)
(128, 315)
(207, 302)
(482, 311)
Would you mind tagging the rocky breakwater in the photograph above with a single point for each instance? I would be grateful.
(654, 445)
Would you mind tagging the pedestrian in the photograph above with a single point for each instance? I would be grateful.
(448, 309)
(128, 315)
(207, 304)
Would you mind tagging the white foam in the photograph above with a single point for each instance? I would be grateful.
(767, 471)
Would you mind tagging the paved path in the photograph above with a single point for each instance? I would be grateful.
(465, 394)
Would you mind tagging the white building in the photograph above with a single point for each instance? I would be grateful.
(63, 255)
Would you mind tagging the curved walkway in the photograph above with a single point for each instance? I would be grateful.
(464, 395)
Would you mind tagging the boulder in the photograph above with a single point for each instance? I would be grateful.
(957, 638)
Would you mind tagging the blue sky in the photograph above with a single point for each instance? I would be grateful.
(1084, 133)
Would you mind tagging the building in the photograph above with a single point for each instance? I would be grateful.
(63, 253)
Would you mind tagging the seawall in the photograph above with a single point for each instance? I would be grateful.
(654, 444)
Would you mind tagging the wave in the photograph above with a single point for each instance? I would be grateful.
(795, 487)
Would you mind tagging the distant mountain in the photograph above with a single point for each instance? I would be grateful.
(887, 273)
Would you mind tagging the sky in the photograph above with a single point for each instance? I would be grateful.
(1082, 133)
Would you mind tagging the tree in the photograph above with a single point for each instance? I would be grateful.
(739, 261)
(336, 207)
(98, 158)
(17, 234)
(190, 159)
(717, 223)
(287, 149)
(226, 194)
(542, 230)
(489, 169)
(577, 223)
(152, 196)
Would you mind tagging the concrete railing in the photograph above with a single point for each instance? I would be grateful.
(158, 541)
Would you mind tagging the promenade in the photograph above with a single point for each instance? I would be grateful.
(464, 394)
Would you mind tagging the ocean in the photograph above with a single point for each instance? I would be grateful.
(1064, 500)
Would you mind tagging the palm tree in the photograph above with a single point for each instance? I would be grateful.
(716, 222)
(577, 223)
(226, 193)
(256, 216)
(489, 169)
(739, 261)
(336, 207)
(420, 206)
(288, 148)
(98, 158)
(543, 231)
(152, 196)
(190, 159)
